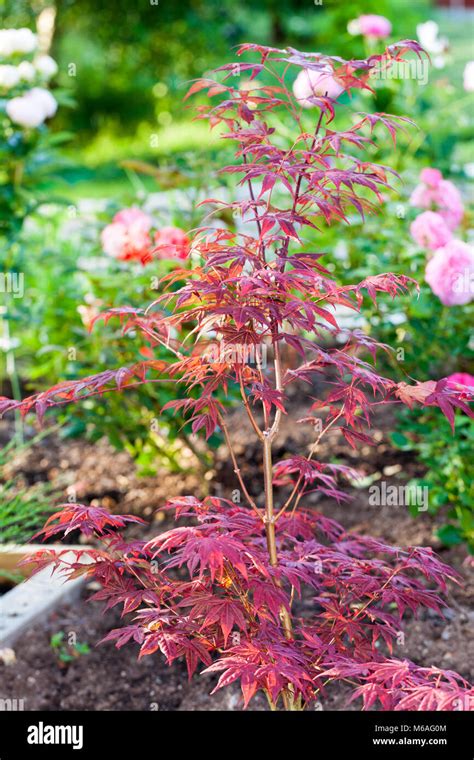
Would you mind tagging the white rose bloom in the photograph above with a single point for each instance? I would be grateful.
(353, 27)
(46, 66)
(25, 111)
(436, 46)
(17, 41)
(46, 101)
(428, 38)
(439, 61)
(9, 76)
(6, 42)
(24, 41)
(428, 34)
(33, 108)
(469, 76)
(469, 170)
(27, 71)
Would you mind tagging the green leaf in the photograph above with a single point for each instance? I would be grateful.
(400, 441)
(450, 535)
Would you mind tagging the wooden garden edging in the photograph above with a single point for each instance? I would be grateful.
(36, 596)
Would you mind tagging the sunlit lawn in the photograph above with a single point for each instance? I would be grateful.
(96, 169)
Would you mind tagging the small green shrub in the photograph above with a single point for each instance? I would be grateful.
(450, 470)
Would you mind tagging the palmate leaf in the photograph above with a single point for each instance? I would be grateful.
(122, 636)
(198, 548)
(212, 609)
(76, 390)
(438, 394)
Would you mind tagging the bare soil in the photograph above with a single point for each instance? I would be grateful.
(105, 679)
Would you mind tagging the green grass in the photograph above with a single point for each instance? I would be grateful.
(96, 172)
(22, 510)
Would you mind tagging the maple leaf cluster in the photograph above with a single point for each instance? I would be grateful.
(225, 590)
(206, 592)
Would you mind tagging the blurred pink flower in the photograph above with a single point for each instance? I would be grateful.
(430, 230)
(423, 197)
(133, 216)
(450, 204)
(461, 378)
(310, 83)
(374, 26)
(431, 177)
(450, 273)
(439, 194)
(172, 243)
(127, 237)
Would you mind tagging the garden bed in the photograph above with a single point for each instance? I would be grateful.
(107, 680)
(216, 316)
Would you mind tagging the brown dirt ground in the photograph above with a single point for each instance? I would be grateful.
(106, 679)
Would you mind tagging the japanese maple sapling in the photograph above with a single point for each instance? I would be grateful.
(233, 605)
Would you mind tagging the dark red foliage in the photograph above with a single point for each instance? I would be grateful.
(229, 602)
(279, 598)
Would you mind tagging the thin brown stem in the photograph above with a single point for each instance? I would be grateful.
(269, 504)
(257, 217)
(237, 471)
(252, 419)
(300, 179)
(260, 373)
(278, 384)
(314, 446)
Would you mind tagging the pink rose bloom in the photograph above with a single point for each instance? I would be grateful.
(450, 273)
(127, 237)
(374, 26)
(133, 216)
(431, 177)
(461, 378)
(424, 196)
(124, 243)
(112, 238)
(440, 194)
(430, 230)
(173, 243)
(310, 83)
(450, 205)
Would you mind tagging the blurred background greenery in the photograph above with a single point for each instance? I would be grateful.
(127, 66)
